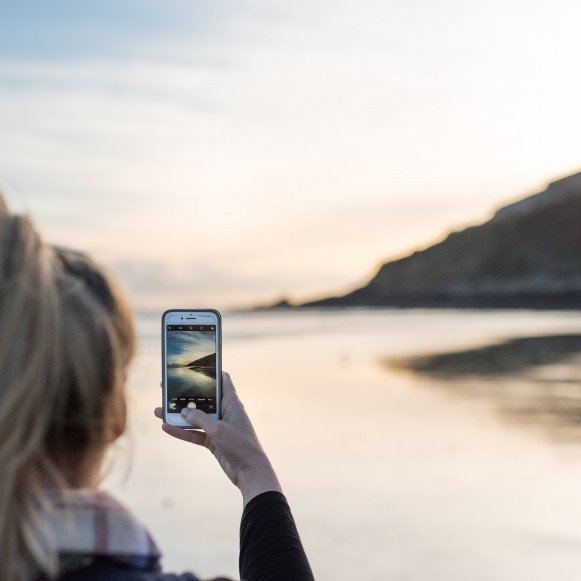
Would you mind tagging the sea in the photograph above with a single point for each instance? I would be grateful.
(412, 445)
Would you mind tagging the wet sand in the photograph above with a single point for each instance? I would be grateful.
(393, 472)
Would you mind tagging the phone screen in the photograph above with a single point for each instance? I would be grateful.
(191, 367)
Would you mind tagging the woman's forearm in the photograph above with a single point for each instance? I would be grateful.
(257, 479)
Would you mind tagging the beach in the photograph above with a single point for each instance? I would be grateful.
(390, 473)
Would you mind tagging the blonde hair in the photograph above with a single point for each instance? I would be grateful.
(66, 336)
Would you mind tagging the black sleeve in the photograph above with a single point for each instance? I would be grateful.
(270, 546)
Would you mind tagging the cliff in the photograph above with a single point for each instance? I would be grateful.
(207, 361)
(527, 256)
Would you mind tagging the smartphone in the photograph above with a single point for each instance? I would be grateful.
(191, 353)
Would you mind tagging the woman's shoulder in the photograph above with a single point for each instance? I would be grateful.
(106, 569)
(126, 550)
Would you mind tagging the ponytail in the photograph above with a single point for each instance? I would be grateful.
(66, 336)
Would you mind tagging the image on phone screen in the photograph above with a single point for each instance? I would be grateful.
(191, 367)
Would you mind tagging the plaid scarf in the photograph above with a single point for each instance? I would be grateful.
(87, 523)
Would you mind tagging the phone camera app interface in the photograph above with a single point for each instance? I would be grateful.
(191, 367)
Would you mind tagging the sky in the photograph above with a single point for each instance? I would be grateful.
(183, 347)
(224, 154)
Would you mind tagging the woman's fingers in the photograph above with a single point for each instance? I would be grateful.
(192, 436)
(228, 389)
(186, 435)
(198, 419)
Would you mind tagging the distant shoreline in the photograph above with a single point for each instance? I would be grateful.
(497, 303)
(501, 302)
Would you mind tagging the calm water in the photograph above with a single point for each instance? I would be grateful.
(398, 465)
(184, 380)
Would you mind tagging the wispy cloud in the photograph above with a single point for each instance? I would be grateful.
(272, 147)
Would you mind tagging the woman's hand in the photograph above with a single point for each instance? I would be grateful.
(233, 442)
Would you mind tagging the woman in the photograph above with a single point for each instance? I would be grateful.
(66, 340)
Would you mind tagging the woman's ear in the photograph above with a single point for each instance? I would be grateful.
(120, 419)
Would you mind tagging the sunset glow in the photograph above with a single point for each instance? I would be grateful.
(227, 154)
